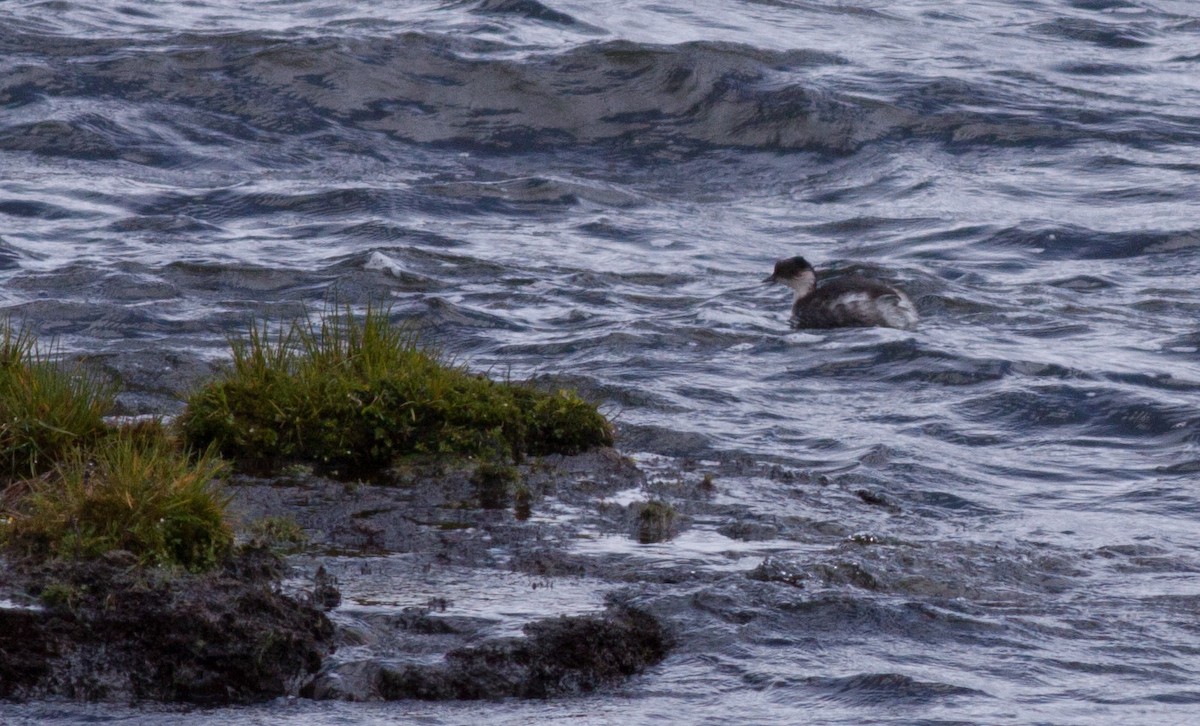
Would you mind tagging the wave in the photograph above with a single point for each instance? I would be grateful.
(438, 89)
(528, 9)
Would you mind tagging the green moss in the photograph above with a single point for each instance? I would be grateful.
(129, 493)
(47, 407)
(279, 534)
(352, 395)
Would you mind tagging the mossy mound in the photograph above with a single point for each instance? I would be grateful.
(352, 395)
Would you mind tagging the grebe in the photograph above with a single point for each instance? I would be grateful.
(843, 302)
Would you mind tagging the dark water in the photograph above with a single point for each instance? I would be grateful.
(1004, 502)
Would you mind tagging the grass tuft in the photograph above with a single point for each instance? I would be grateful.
(132, 493)
(47, 407)
(656, 521)
(353, 394)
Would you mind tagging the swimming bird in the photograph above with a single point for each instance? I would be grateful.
(843, 302)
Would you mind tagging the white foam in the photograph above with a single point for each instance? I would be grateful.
(7, 604)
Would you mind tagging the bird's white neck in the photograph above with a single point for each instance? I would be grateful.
(802, 284)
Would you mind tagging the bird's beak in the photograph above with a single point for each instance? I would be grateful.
(769, 278)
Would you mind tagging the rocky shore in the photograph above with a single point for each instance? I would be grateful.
(109, 629)
(136, 568)
(112, 630)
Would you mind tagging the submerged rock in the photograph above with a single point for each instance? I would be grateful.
(104, 630)
(559, 656)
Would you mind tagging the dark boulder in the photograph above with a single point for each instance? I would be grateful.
(560, 656)
(106, 630)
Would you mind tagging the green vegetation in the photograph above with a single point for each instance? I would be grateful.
(352, 395)
(47, 408)
(132, 493)
(655, 521)
(73, 486)
(279, 534)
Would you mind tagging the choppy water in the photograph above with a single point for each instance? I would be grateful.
(596, 189)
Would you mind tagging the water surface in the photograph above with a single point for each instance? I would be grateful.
(594, 191)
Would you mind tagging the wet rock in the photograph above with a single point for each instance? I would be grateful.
(560, 656)
(151, 381)
(494, 483)
(846, 573)
(109, 631)
(773, 569)
(548, 561)
(749, 531)
(434, 510)
(877, 499)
